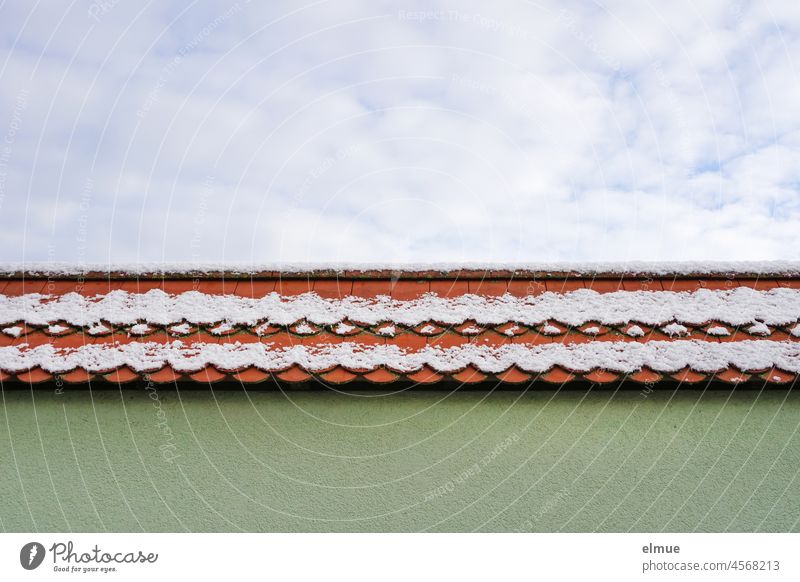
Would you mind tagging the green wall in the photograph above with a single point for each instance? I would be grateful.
(419, 460)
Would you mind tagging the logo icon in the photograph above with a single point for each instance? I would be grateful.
(31, 555)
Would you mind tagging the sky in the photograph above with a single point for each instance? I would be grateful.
(372, 131)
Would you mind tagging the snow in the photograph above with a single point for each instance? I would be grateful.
(344, 328)
(681, 268)
(387, 330)
(635, 331)
(718, 330)
(139, 329)
(795, 331)
(303, 328)
(222, 328)
(427, 330)
(56, 328)
(742, 306)
(593, 330)
(98, 329)
(512, 330)
(623, 357)
(181, 329)
(759, 329)
(13, 331)
(550, 330)
(262, 329)
(675, 329)
(471, 330)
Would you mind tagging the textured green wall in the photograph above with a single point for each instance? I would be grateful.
(424, 460)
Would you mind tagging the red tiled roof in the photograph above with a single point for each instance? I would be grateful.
(383, 327)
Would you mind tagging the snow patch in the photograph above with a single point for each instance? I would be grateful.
(718, 330)
(577, 268)
(303, 328)
(222, 329)
(759, 329)
(623, 357)
(739, 307)
(387, 330)
(550, 330)
(675, 329)
(139, 329)
(181, 328)
(13, 331)
(98, 329)
(343, 328)
(635, 331)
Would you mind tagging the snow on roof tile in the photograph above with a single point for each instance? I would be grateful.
(416, 326)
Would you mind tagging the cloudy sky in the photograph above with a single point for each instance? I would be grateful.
(378, 131)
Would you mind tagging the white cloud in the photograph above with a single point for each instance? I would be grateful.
(422, 132)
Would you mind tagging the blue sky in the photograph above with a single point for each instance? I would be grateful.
(399, 131)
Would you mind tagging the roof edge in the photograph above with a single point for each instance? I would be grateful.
(552, 270)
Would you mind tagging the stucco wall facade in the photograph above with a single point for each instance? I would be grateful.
(156, 460)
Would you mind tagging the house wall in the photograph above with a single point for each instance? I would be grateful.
(154, 460)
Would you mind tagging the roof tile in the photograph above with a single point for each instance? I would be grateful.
(76, 376)
(564, 285)
(513, 376)
(381, 376)
(164, 375)
(254, 289)
(425, 375)
(487, 287)
(294, 374)
(557, 375)
(251, 375)
(449, 287)
(406, 290)
(122, 375)
(601, 376)
(207, 375)
(604, 285)
(358, 331)
(338, 376)
(469, 375)
(525, 287)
